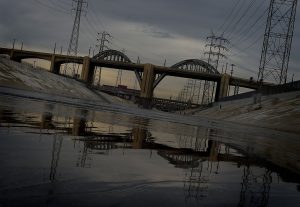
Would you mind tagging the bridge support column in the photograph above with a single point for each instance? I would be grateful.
(147, 86)
(222, 87)
(54, 68)
(13, 56)
(87, 73)
(46, 122)
(79, 124)
(139, 136)
(213, 150)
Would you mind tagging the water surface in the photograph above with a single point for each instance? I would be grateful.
(76, 154)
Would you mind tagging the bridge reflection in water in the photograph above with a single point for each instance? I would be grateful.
(199, 156)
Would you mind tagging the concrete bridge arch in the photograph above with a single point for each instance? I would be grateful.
(112, 55)
(194, 65)
(108, 55)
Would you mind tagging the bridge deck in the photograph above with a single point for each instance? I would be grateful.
(22, 54)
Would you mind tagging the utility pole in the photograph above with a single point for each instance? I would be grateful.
(14, 41)
(22, 45)
(54, 50)
(277, 43)
(73, 44)
(61, 50)
(90, 51)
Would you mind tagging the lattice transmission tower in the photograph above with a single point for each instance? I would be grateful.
(202, 92)
(80, 7)
(277, 41)
(217, 47)
(102, 39)
(119, 76)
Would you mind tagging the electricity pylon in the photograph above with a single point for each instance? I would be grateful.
(102, 40)
(73, 44)
(277, 43)
(217, 46)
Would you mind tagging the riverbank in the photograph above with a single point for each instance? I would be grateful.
(278, 111)
(14, 75)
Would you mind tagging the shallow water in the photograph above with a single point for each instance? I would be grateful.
(62, 154)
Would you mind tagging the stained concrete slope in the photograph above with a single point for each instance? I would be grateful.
(22, 76)
(279, 111)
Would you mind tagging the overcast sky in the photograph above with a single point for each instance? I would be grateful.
(153, 30)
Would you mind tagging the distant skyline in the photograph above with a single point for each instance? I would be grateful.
(153, 30)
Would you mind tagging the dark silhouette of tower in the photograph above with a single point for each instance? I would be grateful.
(73, 44)
(277, 41)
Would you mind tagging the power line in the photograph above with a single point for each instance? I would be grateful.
(65, 3)
(243, 67)
(248, 34)
(237, 13)
(91, 25)
(56, 9)
(261, 36)
(241, 17)
(86, 32)
(95, 17)
(246, 23)
(57, 5)
(229, 15)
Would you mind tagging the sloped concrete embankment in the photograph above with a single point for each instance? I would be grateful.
(22, 76)
(278, 111)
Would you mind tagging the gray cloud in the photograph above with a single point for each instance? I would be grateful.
(153, 30)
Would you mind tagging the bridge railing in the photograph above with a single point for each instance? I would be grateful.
(288, 87)
(267, 90)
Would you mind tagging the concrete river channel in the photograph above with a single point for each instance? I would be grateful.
(54, 153)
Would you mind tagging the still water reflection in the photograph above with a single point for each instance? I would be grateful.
(60, 155)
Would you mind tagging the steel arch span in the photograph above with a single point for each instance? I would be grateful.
(193, 89)
(196, 65)
(112, 55)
